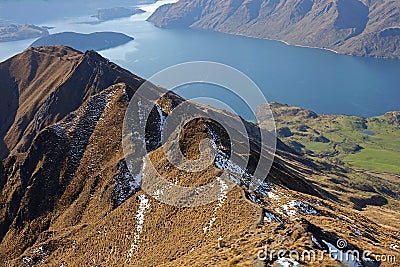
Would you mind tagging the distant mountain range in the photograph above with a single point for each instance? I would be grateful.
(68, 198)
(354, 27)
(116, 12)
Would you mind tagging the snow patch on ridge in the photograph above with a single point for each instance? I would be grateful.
(125, 184)
(315, 241)
(270, 217)
(224, 163)
(295, 207)
(221, 200)
(81, 129)
(287, 262)
(240, 175)
(357, 232)
(144, 205)
(162, 117)
(58, 130)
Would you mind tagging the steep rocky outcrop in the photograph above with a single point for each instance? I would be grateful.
(354, 27)
(67, 197)
(394, 117)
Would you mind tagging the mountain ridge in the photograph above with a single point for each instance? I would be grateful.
(67, 196)
(359, 28)
(73, 67)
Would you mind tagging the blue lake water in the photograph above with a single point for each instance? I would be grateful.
(319, 80)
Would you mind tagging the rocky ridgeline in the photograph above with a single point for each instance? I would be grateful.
(67, 196)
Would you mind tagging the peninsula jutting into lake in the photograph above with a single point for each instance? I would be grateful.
(14, 32)
(93, 41)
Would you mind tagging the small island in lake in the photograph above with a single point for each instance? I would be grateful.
(14, 32)
(93, 41)
(117, 12)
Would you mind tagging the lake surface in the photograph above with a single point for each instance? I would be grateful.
(319, 80)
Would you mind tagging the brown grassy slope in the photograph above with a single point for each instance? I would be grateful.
(68, 200)
(90, 231)
(42, 85)
(88, 198)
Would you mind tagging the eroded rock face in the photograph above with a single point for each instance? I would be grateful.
(362, 28)
(393, 117)
(67, 190)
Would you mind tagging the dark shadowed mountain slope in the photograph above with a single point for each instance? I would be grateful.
(354, 27)
(43, 85)
(67, 197)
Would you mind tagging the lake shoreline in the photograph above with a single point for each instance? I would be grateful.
(289, 44)
(294, 45)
